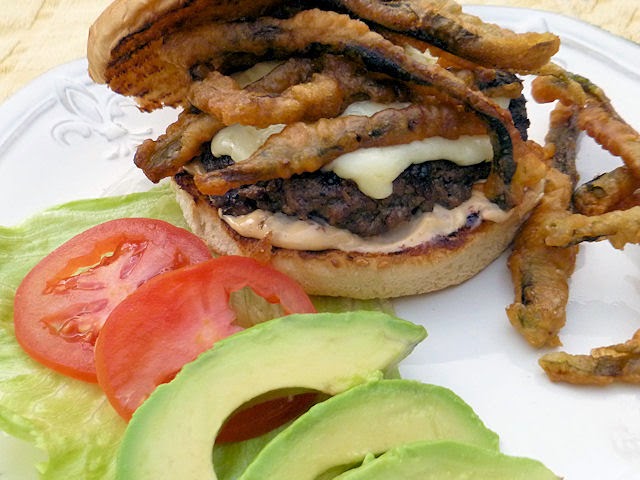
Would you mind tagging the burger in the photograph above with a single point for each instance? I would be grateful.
(368, 149)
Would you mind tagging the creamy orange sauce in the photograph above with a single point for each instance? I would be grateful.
(287, 232)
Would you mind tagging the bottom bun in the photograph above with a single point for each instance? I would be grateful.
(432, 266)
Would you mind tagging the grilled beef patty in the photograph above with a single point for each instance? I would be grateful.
(324, 197)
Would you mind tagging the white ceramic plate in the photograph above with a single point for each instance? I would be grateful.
(64, 138)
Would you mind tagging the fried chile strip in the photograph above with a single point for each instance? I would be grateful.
(620, 227)
(597, 116)
(315, 30)
(540, 273)
(221, 95)
(303, 147)
(605, 365)
(181, 141)
(177, 146)
(443, 24)
(605, 192)
(325, 94)
(312, 32)
(293, 71)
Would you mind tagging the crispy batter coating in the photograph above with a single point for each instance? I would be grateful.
(628, 202)
(444, 24)
(605, 365)
(442, 57)
(597, 117)
(561, 141)
(291, 72)
(541, 273)
(613, 133)
(222, 96)
(606, 192)
(177, 146)
(135, 67)
(325, 93)
(320, 31)
(308, 147)
(620, 227)
(472, 73)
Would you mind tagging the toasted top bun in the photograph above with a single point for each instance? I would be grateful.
(122, 44)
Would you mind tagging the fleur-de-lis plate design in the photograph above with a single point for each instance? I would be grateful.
(71, 138)
(92, 114)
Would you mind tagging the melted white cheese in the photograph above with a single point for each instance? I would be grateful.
(375, 169)
(287, 232)
(241, 141)
(372, 169)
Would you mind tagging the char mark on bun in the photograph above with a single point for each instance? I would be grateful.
(329, 139)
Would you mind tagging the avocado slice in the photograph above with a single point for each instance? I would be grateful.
(172, 434)
(369, 418)
(448, 460)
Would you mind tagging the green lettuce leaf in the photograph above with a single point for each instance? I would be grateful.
(72, 421)
(68, 419)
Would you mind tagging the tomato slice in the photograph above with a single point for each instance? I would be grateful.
(63, 302)
(263, 417)
(174, 317)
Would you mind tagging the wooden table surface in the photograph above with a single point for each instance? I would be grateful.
(37, 35)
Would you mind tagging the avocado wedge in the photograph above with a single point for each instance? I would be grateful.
(172, 434)
(369, 418)
(448, 460)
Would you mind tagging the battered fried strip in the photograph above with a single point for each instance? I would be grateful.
(220, 95)
(177, 146)
(540, 273)
(632, 200)
(313, 30)
(317, 31)
(597, 117)
(463, 68)
(600, 120)
(605, 192)
(165, 156)
(605, 365)
(619, 227)
(308, 147)
(444, 58)
(444, 24)
(291, 72)
(561, 141)
(337, 84)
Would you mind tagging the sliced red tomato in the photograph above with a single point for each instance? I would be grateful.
(173, 318)
(263, 417)
(63, 302)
